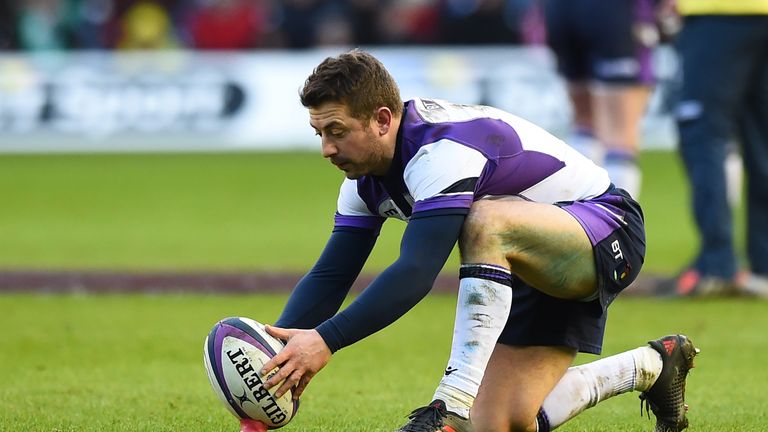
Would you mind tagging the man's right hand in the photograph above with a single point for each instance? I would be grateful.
(298, 362)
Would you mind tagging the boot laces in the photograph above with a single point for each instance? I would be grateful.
(429, 417)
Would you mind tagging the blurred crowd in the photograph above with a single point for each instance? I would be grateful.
(32, 25)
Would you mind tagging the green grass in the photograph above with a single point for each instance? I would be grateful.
(248, 211)
(198, 211)
(134, 363)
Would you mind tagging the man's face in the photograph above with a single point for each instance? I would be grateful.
(354, 146)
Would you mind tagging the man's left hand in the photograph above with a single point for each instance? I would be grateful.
(298, 362)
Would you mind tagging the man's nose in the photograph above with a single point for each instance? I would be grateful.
(328, 149)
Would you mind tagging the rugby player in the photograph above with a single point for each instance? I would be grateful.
(603, 51)
(546, 243)
(730, 40)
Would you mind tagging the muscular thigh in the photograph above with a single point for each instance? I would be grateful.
(516, 381)
(541, 243)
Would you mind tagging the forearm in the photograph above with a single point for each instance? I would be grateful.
(320, 293)
(390, 296)
(425, 248)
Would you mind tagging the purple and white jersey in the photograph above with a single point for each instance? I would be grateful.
(449, 155)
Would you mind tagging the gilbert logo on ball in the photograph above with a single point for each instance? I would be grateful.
(234, 352)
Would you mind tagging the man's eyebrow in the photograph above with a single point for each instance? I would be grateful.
(332, 123)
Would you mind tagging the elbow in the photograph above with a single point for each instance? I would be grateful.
(420, 277)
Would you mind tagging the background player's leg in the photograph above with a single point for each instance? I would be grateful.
(582, 136)
(704, 119)
(617, 111)
(754, 133)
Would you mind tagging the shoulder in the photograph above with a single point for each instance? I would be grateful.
(434, 111)
(445, 154)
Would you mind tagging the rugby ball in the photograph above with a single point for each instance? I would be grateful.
(234, 352)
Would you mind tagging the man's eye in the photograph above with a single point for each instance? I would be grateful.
(337, 133)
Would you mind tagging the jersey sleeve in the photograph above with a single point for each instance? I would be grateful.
(320, 293)
(352, 212)
(426, 244)
(443, 175)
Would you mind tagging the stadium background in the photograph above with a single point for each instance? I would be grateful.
(157, 173)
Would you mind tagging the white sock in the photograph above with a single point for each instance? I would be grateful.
(585, 142)
(734, 173)
(586, 385)
(624, 172)
(484, 301)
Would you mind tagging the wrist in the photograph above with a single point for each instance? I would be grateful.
(330, 335)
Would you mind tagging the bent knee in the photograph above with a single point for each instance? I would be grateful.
(497, 420)
(504, 425)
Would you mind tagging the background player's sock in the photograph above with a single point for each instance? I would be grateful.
(484, 301)
(734, 174)
(584, 141)
(586, 385)
(623, 170)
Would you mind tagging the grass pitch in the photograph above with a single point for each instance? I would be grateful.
(134, 363)
(246, 211)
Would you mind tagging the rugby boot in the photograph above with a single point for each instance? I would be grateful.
(456, 423)
(435, 418)
(755, 285)
(666, 398)
(692, 283)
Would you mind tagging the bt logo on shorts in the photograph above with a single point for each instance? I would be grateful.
(616, 247)
(623, 269)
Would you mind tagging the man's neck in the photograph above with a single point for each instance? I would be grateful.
(389, 142)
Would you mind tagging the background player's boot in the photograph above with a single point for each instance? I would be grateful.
(435, 418)
(666, 398)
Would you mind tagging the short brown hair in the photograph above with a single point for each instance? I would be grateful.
(358, 80)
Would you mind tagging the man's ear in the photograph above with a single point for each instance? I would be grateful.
(383, 118)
